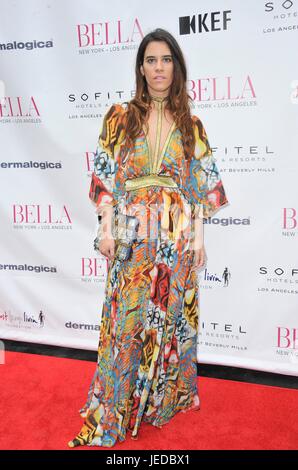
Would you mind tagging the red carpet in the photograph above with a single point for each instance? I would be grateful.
(40, 396)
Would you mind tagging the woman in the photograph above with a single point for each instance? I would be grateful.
(153, 162)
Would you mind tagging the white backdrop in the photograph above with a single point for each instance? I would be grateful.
(63, 63)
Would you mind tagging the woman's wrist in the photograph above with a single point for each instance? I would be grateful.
(105, 224)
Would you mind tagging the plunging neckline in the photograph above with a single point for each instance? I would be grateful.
(163, 150)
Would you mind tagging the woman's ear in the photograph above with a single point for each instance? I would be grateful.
(142, 70)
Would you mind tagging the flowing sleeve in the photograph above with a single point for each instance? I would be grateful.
(203, 183)
(106, 181)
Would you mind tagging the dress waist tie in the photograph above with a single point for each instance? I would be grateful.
(150, 180)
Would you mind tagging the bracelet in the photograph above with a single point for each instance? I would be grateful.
(95, 243)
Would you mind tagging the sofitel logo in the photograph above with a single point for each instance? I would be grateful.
(18, 107)
(218, 89)
(99, 97)
(204, 22)
(285, 11)
(108, 33)
(222, 327)
(41, 216)
(222, 335)
(95, 104)
(280, 280)
(245, 158)
(291, 272)
(285, 6)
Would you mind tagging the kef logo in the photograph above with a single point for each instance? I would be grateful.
(225, 88)
(38, 214)
(108, 33)
(287, 338)
(18, 107)
(204, 22)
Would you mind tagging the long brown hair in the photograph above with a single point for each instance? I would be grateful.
(178, 102)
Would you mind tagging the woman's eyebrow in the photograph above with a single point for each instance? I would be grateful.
(154, 56)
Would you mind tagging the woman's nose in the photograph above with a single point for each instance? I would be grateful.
(159, 65)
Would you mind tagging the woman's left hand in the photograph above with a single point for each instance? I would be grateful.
(199, 258)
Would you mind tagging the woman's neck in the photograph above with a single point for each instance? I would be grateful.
(159, 98)
(158, 101)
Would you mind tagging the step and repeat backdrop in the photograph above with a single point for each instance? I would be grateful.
(62, 64)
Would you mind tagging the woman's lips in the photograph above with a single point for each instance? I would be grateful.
(159, 78)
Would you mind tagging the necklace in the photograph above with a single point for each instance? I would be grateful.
(155, 159)
(159, 99)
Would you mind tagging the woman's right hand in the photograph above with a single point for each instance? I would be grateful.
(107, 247)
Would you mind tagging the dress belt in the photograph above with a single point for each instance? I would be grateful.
(150, 180)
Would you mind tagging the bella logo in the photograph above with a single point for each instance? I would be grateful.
(106, 33)
(90, 160)
(93, 266)
(216, 89)
(287, 338)
(37, 214)
(289, 218)
(18, 107)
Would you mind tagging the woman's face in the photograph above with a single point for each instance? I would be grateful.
(158, 68)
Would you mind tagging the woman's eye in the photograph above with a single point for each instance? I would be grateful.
(166, 59)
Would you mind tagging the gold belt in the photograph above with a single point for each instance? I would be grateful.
(150, 180)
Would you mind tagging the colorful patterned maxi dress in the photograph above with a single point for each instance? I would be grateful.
(147, 353)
